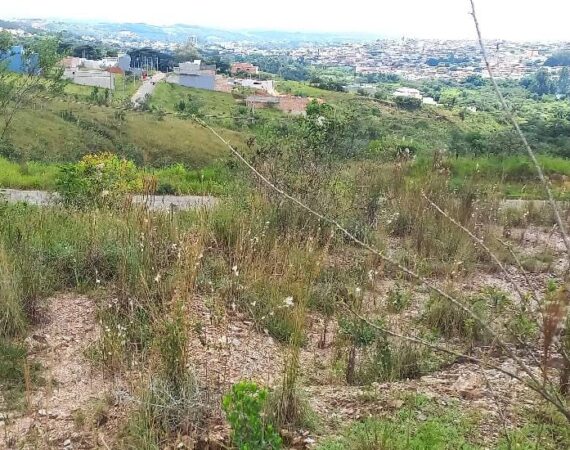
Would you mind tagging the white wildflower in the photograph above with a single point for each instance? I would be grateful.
(288, 302)
(235, 270)
(157, 278)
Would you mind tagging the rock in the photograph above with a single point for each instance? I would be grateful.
(42, 412)
(396, 404)
(67, 443)
(469, 386)
(40, 338)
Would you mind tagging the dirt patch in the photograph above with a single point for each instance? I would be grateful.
(70, 384)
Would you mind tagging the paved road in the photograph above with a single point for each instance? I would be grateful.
(155, 202)
(146, 88)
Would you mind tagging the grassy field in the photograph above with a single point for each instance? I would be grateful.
(167, 95)
(59, 131)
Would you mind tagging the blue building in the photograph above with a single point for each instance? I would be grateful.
(16, 60)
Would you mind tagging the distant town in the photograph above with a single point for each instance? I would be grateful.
(411, 59)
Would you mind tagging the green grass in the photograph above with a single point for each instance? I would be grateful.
(63, 132)
(421, 424)
(13, 372)
(125, 87)
(30, 175)
(167, 95)
(305, 90)
(176, 179)
(514, 176)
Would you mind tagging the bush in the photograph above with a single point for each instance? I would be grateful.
(243, 407)
(165, 410)
(98, 180)
(408, 102)
(398, 298)
(453, 321)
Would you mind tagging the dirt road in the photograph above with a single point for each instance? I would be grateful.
(155, 202)
(146, 88)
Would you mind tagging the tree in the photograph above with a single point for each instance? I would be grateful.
(563, 87)
(558, 59)
(186, 52)
(408, 102)
(42, 75)
(5, 41)
(540, 83)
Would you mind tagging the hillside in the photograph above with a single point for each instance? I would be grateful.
(380, 272)
(61, 131)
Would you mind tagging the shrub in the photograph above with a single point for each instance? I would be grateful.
(522, 328)
(165, 409)
(398, 298)
(408, 102)
(13, 372)
(98, 180)
(243, 407)
(453, 321)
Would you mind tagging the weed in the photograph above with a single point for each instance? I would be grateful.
(398, 298)
(163, 410)
(451, 320)
(244, 406)
(522, 328)
(13, 372)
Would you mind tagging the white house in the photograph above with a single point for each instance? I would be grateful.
(407, 92)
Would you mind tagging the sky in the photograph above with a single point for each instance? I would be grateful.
(446, 19)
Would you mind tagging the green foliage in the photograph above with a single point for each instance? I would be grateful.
(420, 425)
(243, 407)
(14, 369)
(358, 332)
(101, 180)
(561, 58)
(410, 103)
(6, 40)
(452, 320)
(398, 298)
(540, 83)
(13, 320)
(522, 328)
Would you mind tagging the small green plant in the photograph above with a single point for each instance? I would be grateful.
(522, 328)
(243, 407)
(398, 298)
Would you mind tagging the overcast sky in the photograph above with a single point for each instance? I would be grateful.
(506, 19)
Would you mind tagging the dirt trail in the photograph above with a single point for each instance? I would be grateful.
(70, 384)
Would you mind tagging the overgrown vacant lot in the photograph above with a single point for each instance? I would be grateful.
(138, 329)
